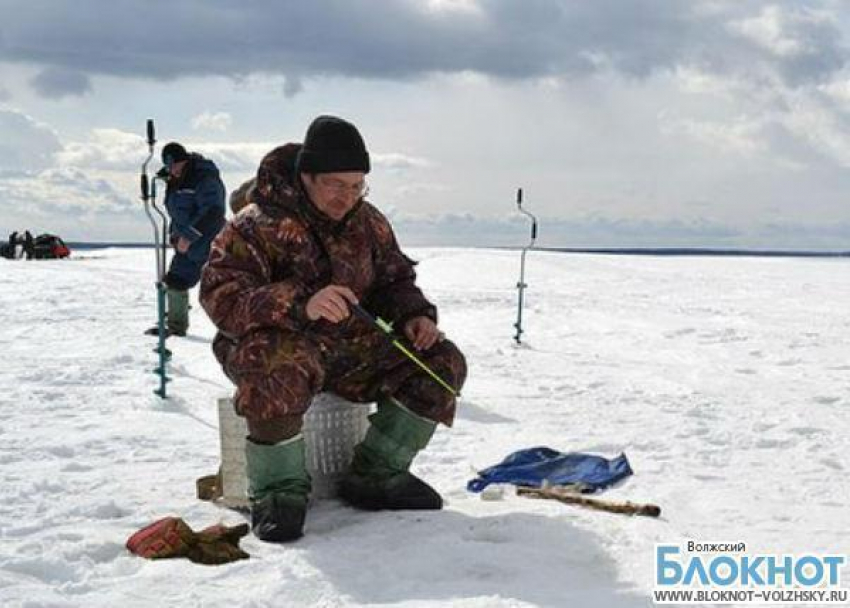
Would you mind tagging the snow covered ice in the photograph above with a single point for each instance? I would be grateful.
(724, 380)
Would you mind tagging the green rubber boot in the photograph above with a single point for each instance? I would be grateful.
(278, 487)
(178, 312)
(379, 477)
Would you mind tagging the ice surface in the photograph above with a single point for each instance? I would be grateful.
(725, 381)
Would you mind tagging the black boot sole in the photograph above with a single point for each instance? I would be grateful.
(411, 494)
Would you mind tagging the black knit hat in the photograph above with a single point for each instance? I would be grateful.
(332, 145)
(173, 153)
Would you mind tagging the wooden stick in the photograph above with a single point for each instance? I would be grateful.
(572, 498)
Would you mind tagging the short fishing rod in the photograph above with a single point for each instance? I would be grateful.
(387, 330)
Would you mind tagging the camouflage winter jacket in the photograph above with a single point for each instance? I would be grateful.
(278, 251)
(242, 196)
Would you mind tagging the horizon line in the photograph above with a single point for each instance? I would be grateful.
(657, 251)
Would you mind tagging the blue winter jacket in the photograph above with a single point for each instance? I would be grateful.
(196, 205)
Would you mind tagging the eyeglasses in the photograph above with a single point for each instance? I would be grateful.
(342, 189)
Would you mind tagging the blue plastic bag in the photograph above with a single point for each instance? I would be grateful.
(535, 466)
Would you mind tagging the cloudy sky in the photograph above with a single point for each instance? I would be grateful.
(704, 123)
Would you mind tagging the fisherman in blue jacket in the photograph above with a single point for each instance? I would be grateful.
(195, 202)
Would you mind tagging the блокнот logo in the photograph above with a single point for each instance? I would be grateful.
(724, 573)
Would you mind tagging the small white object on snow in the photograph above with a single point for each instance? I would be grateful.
(495, 491)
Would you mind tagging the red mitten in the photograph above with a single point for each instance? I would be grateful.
(167, 537)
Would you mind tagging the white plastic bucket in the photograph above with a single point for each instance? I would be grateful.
(332, 427)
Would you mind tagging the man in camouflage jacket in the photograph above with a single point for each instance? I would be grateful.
(279, 284)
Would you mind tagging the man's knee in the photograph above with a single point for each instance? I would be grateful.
(452, 363)
(183, 273)
(284, 391)
(276, 374)
(425, 396)
(181, 281)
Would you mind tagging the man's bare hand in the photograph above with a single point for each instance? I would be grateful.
(183, 244)
(330, 303)
(422, 332)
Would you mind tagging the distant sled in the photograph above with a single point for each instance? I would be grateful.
(50, 247)
(42, 247)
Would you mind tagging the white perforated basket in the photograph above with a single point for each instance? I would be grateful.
(332, 427)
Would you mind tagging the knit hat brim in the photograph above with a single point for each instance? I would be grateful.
(333, 161)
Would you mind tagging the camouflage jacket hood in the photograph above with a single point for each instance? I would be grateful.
(279, 250)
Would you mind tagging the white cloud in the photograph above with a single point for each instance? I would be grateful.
(233, 156)
(62, 188)
(105, 149)
(499, 38)
(790, 127)
(460, 6)
(767, 31)
(116, 150)
(212, 121)
(64, 191)
(839, 91)
(25, 144)
(697, 81)
(783, 31)
(84, 188)
(803, 45)
(821, 127)
(463, 101)
(742, 136)
(394, 161)
(420, 188)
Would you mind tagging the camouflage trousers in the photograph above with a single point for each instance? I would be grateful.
(277, 372)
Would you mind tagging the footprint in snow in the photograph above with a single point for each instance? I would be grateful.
(485, 534)
(832, 464)
(47, 570)
(100, 553)
(107, 509)
(679, 332)
(806, 431)
(774, 443)
(467, 410)
(826, 400)
(61, 451)
(76, 467)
